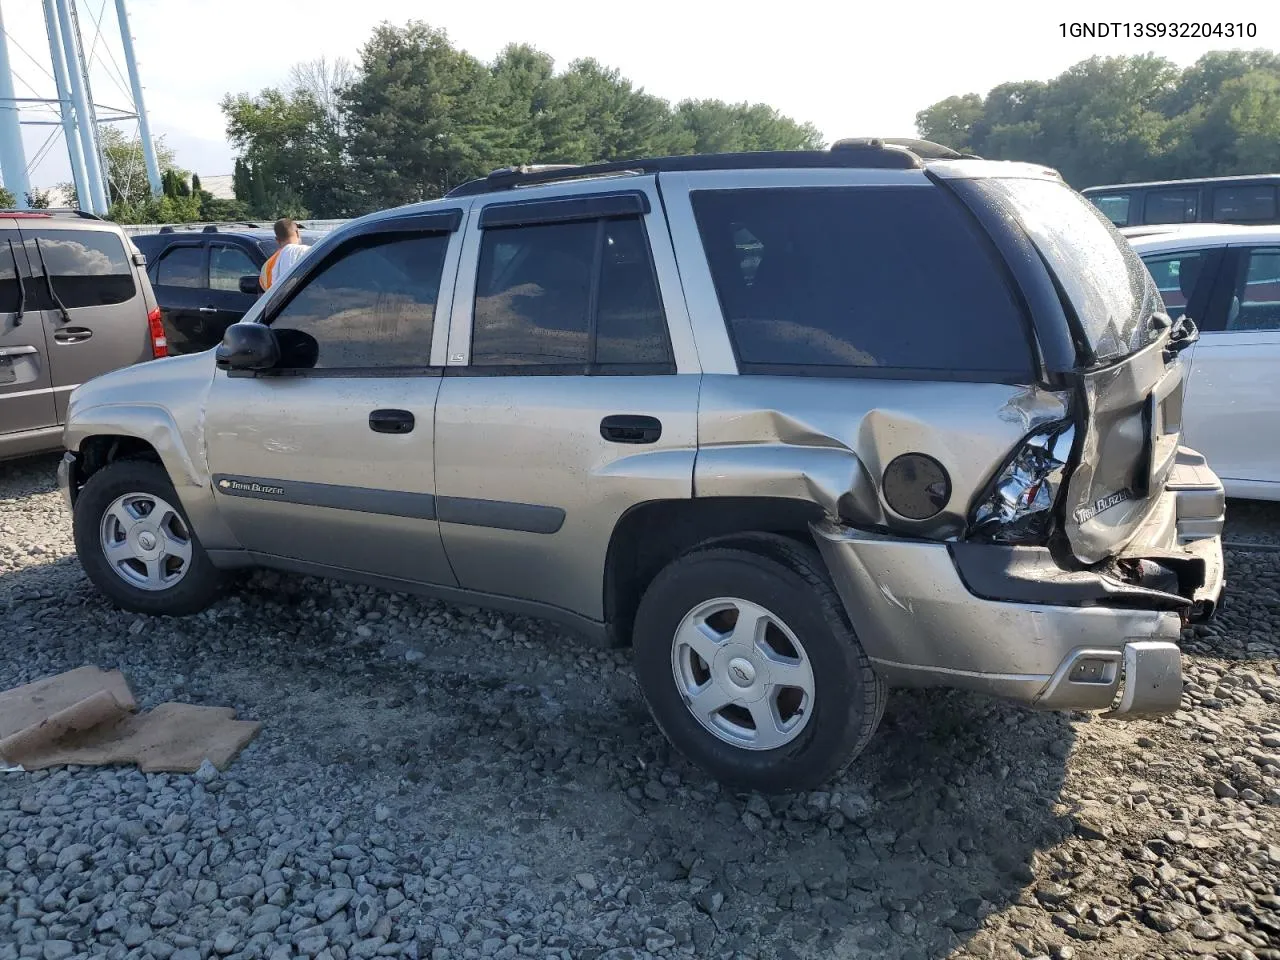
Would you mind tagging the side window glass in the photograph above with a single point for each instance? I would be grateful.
(1245, 204)
(1115, 207)
(370, 305)
(1171, 206)
(630, 324)
(227, 265)
(9, 298)
(89, 268)
(1176, 276)
(181, 267)
(1256, 301)
(835, 277)
(533, 295)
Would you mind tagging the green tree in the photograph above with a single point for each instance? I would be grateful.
(7, 200)
(1116, 119)
(125, 168)
(421, 116)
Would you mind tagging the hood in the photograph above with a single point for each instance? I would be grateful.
(151, 383)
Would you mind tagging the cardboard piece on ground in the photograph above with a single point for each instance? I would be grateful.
(87, 716)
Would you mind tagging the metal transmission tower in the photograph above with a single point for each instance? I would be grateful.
(79, 114)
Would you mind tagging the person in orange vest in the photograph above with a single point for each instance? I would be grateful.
(286, 257)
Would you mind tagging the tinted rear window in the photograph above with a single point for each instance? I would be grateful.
(1106, 284)
(1244, 204)
(1172, 206)
(1114, 205)
(875, 278)
(89, 268)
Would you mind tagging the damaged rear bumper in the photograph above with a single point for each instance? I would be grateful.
(1011, 622)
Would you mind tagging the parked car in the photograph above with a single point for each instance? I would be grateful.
(74, 303)
(712, 406)
(205, 279)
(1228, 279)
(1245, 200)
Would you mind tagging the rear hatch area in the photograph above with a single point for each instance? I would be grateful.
(1131, 374)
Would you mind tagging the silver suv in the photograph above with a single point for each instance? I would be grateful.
(75, 302)
(797, 426)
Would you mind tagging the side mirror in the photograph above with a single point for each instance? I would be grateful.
(250, 284)
(248, 346)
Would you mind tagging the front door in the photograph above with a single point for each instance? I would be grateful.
(1233, 416)
(95, 314)
(26, 388)
(326, 463)
(563, 405)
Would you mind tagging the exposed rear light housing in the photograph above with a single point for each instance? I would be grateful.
(159, 343)
(1018, 506)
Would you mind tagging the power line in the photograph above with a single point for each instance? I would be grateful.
(23, 50)
(118, 79)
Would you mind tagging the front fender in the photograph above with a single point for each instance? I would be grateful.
(180, 454)
(150, 422)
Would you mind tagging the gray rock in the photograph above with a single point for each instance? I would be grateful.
(57, 949)
(329, 902)
(365, 914)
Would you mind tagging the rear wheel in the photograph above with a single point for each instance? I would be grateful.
(750, 667)
(136, 544)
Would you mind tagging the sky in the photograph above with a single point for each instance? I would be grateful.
(851, 68)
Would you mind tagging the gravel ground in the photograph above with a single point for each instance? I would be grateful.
(434, 781)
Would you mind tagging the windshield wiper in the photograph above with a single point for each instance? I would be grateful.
(48, 282)
(22, 287)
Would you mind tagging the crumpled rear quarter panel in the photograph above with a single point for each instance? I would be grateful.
(828, 441)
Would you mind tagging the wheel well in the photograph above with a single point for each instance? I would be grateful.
(97, 452)
(650, 535)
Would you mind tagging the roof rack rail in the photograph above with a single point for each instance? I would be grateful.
(54, 212)
(869, 152)
(927, 149)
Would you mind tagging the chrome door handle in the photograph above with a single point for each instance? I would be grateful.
(73, 335)
(16, 351)
(208, 309)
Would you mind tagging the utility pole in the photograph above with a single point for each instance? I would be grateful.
(144, 125)
(84, 112)
(13, 161)
(66, 109)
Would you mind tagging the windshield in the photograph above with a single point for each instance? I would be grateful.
(1105, 282)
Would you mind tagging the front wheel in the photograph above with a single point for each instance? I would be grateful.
(137, 546)
(750, 667)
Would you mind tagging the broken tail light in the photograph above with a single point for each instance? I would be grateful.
(159, 343)
(1018, 506)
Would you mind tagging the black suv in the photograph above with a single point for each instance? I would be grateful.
(205, 278)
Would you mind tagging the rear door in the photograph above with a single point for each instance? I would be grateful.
(1129, 392)
(180, 279)
(95, 314)
(228, 262)
(26, 389)
(1235, 419)
(564, 403)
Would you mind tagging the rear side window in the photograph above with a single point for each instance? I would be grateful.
(565, 298)
(1245, 204)
(1171, 206)
(1114, 206)
(1106, 285)
(370, 306)
(1255, 304)
(870, 279)
(88, 268)
(1177, 275)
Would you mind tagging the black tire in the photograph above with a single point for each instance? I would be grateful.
(789, 580)
(202, 584)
